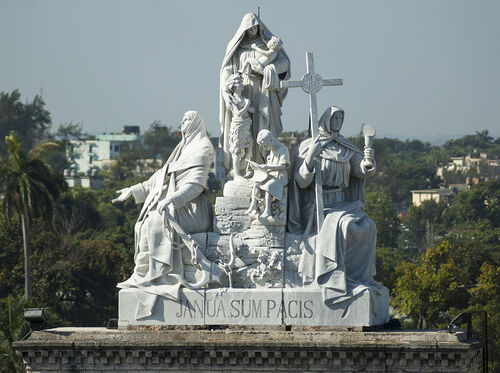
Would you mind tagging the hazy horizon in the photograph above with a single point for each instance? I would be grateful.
(415, 70)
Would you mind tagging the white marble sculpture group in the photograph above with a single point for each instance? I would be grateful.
(289, 241)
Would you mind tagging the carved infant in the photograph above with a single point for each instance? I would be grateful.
(265, 56)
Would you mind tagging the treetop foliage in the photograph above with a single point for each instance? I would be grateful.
(438, 259)
(30, 120)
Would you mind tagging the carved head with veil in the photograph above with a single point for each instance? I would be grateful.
(261, 87)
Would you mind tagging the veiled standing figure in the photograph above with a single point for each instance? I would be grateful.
(179, 188)
(341, 258)
(261, 83)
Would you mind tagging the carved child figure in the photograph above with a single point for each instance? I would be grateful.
(266, 56)
(240, 134)
(271, 177)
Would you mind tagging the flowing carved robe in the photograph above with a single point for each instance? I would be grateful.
(158, 261)
(341, 258)
(262, 90)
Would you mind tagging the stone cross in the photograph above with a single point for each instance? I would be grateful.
(311, 83)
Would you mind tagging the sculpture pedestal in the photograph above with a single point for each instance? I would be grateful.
(99, 349)
(224, 306)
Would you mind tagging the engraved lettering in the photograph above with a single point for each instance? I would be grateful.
(271, 305)
(235, 308)
(281, 310)
(294, 315)
(309, 314)
(221, 308)
(187, 307)
(243, 308)
(256, 309)
(208, 308)
(198, 307)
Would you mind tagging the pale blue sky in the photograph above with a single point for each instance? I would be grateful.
(413, 69)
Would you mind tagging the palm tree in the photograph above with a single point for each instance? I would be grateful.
(15, 330)
(29, 187)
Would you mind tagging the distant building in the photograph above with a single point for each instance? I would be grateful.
(90, 180)
(470, 161)
(438, 195)
(86, 155)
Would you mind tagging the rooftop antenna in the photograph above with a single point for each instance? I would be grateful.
(258, 11)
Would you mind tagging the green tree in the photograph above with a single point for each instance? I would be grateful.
(30, 120)
(30, 188)
(480, 202)
(78, 282)
(486, 297)
(473, 245)
(386, 261)
(424, 224)
(160, 140)
(65, 133)
(426, 290)
(13, 327)
(480, 141)
(11, 258)
(379, 207)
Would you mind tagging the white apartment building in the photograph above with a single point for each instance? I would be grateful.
(89, 154)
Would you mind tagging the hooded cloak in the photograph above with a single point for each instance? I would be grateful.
(355, 191)
(341, 258)
(262, 90)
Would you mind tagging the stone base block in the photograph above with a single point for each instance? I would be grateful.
(222, 306)
(240, 187)
(261, 306)
(243, 307)
(305, 306)
(230, 350)
(188, 310)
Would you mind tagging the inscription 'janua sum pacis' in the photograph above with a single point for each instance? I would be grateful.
(245, 308)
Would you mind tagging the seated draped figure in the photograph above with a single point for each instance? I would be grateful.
(175, 206)
(340, 259)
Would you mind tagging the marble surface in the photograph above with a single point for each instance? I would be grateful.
(288, 243)
(188, 310)
(243, 307)
(269, 306)
(248, 350)
(305, 306)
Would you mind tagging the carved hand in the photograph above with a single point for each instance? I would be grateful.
(369, 153)
(163, 204)
(124, 194)
(367, 166)
(313, 152)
